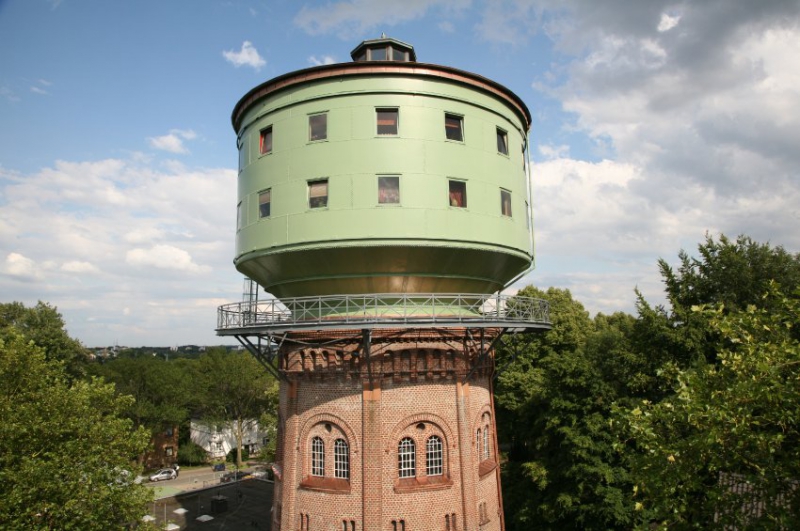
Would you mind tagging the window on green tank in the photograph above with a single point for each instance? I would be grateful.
(388, 189)
(240, 215)
(265, 142)
(264, 203)
(387, 121)
(242, 156)
(458, 194)
(505, 202)
(502, 141)
(318, 126)
(398, 54)
(318, 194)
(454, 127)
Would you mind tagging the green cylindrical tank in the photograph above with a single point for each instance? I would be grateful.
(382, 177)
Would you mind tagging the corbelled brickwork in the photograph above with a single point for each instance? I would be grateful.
(388, 430)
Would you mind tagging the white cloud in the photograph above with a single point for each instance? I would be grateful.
(77, 266)
(38, 90)
(446, 26)
(172, 142)
(164, 257)
(668, 22)
(247, 56)
(324, 60)
(21, 267)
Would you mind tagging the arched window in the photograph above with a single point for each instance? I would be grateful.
(486, 442)
(433, 456)
(407, 458)
(317, 457)
(341, 459)
(479, 444)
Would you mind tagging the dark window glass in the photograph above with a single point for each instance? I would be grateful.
(398, 55)
(387, 121)
(318, 194)
(266, 140)
(264, 203)
(458, 194)
(453, 127)
(502, 142)
(378, 54)
(505, 202)
(318, 127)
(388, 190)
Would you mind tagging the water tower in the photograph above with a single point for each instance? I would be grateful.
(384, 204)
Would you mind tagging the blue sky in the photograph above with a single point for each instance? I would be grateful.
(654, 123)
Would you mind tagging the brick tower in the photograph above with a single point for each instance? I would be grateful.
(385, 203)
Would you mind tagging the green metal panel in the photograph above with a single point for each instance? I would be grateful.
(355, 244)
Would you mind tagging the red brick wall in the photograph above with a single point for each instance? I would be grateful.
(413, 386)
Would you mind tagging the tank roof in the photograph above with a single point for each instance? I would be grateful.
(376, 43)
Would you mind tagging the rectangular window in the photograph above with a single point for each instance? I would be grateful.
(264, 203)
(378, 54)
(387, 121)
(502, 141)
(505, 202)
(454, 127)
(398, 54)
(318, 194)
(168, 451)
(389, 190)
(458, 194)
(318, 127)
(265, 143)
(240, 216)
(242, 156)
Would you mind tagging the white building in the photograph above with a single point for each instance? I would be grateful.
(219, 440)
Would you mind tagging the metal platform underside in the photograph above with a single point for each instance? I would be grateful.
(389, 310)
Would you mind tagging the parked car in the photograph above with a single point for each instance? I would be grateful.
(219, 467)
(235, 476)
(164, 473)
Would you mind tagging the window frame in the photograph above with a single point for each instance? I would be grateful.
(458, 118)
(503, 203)
(502, 135)
(313, 116)
(241, 214)
(383, 198)
(310, 184)
(317, 468)
(450, 197)
(387, 110)
(341, 459)
(261, 203)
(407, 458)
(263, 134)
(434, 456)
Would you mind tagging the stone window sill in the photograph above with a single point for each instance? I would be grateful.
(487, 466)
(330, 485)
(423, 483)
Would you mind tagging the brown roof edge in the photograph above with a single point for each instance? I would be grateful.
(379, 67)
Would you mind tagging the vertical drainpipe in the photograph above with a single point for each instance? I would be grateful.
(529, 188)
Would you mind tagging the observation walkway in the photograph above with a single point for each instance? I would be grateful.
(387, 310)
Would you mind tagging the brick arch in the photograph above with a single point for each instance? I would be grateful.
(410, 420)
(476, 422)
(320, 418)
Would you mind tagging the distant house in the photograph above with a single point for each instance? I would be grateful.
(218, 441)
(165, 449)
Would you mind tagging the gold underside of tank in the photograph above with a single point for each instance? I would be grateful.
(383, 269)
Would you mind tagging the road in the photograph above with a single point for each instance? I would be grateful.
(189, 480)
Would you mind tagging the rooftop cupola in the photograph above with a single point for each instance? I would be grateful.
(384, 49)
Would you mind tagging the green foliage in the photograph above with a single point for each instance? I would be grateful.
(65, 449)
(236, 390)
(191, 454)
(733, 421)
(44, 326)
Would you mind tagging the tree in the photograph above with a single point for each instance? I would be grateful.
(65, 449)
(236, 391)
(43, 325)
(731, 423)
(161, 390)
(554, 401)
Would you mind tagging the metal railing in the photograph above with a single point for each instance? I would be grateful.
(385, 309)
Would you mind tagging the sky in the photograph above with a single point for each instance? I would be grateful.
(654, 123)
